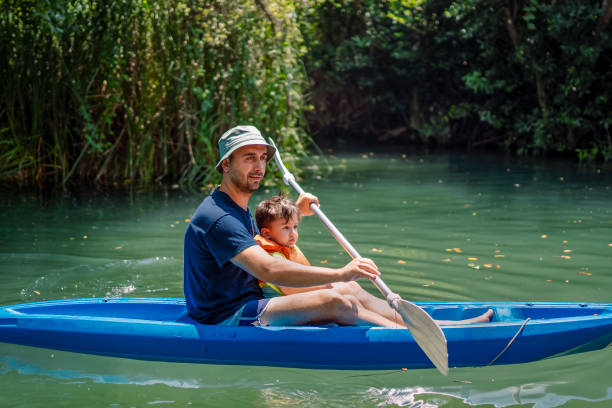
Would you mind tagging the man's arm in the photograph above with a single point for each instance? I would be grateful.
(283, 272)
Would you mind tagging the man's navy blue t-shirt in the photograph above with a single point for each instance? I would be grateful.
(214, 287)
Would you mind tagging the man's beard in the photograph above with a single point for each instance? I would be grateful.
(243, 185)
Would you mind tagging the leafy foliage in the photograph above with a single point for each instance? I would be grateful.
(526, 75)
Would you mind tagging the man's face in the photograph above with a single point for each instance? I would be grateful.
(246, 167)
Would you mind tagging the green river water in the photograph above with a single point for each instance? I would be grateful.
(440, 227)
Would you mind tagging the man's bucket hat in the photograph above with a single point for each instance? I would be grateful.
(238, 137)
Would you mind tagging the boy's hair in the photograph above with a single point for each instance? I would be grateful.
(274, 208)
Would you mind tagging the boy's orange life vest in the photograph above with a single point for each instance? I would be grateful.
(291, 253)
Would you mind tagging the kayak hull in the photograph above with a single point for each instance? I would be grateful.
(160, 329)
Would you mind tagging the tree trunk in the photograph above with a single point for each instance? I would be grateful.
(415, 109)
(510, 25)
(541, 94)
(606, 16)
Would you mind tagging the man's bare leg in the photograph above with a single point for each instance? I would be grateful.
(483, 318)
(381, 307)
(369, 301)
(320, 306)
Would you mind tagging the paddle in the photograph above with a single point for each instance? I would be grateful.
(423, 328)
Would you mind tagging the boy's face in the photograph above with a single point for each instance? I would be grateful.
(282, 231)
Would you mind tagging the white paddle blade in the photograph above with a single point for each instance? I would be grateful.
(426, 332)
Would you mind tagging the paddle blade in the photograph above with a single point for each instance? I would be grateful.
(426, 332)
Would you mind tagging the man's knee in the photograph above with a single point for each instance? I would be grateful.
(339, 303)
(347, 288)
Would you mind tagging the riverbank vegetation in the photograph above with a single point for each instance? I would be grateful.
(138, 91)
(527, 76)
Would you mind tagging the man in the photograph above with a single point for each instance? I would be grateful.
(223, 263)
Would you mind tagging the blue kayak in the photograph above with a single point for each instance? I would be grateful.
(160, 329)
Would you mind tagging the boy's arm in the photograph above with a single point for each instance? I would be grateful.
(304, 201)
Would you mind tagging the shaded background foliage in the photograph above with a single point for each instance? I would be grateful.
(527, 76)
(140, 90)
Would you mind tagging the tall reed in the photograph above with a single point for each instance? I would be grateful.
(138, 91)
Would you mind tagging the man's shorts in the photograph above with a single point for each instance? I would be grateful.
(248, 314)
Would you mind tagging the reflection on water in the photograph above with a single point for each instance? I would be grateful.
(549, 383)
(439, 227)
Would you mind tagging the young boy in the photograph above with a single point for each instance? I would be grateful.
(277, 219)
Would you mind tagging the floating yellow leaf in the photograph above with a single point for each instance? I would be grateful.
(566, 281)
(585, 273)
(401, 262)
(488, 265)
(446, 260)
(187, 220)
(428, 284)
(500, 256)
(449, 250)
(118, 247)
(84, 236)
(376, 250)
(610, 244)
(548, 280)
(474, 214)
(324, 261)
(458, 250)
(543, 236)
(356, 209)
(566, 257)
(37, 292)
(564, 241)
(72, 238)
(498, 266)
(471, 258)
(567, 250)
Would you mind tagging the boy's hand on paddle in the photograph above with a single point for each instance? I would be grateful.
(360, 268)
(303, 203)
